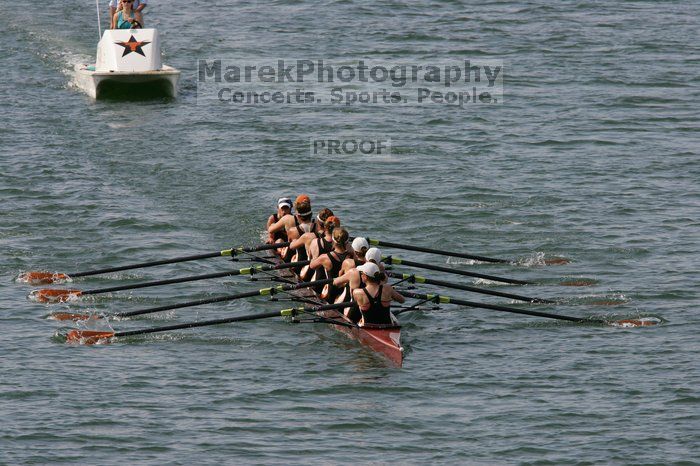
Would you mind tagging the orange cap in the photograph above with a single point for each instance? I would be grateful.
(303, 198)
(332, 220)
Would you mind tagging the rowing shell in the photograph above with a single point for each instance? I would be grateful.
(385, 340)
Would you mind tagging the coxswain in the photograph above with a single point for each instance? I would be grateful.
(288, 221)
(284, 210)
(330, 264)
(374, 300)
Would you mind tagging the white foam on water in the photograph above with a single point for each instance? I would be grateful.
(95, 322)
(534, 260)
(461, 261)
(486, 282)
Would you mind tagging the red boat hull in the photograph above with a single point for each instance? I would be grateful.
(384, 340)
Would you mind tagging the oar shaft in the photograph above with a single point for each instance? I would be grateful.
(458, 286)
(199, 324)
(220, 299)
(284, 312)
(409, 247)
(493, 307)
(141, 265)
(208, 276)
(146, 264)
(396, 261)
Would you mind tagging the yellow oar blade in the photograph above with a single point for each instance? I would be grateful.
(42, 278)
(88, 337)
(50, 295)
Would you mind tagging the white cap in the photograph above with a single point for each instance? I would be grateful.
(369, 268)
(284, 202)
(359, 243)
(373, 254)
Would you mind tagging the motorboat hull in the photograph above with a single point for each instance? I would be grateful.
(126, 84)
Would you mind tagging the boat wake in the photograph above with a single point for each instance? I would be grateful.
(56, 51)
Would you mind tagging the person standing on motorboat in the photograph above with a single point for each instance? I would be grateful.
(137, 7)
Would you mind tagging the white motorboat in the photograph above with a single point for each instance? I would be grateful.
(129, 64)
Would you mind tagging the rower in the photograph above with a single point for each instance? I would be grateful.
(303, 244)
(323, 244)
(351, 278)
(375, 255)
(360, 246)
(374, 300)
(331, 263)
(284, 209)
(300, 223)
(282, 223)
(303, 220)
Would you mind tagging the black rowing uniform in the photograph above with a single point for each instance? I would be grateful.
(334, 272)
(377, 312)
(324, 247)
(301, 252)
(301, 231)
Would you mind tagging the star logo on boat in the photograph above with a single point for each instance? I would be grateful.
(133, 45)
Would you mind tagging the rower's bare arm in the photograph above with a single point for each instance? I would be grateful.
(312, 249)
(292, 234)
(342, 280)
(277, 226)
(320, 261)
(360, 298)
(299, 242)
(348, 265)
(396, 296)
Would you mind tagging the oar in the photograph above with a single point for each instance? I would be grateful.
(458, 286)
(408, 247)
(397, 261)
(58, 295)
(89, 337)
(249, 294)
(39, 278)
(494, 307)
